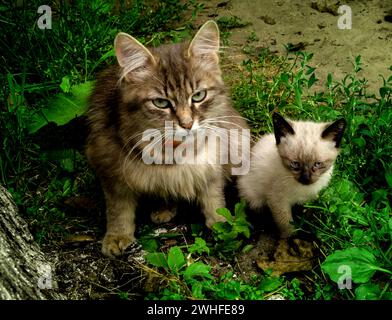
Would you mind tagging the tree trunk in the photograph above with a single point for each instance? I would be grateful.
(25, 273)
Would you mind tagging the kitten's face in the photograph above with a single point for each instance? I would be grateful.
(180, 83)
(307, 149)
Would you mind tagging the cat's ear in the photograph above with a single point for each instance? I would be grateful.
(205, 44)
(281, 127)
(335, 131)
(131, 54)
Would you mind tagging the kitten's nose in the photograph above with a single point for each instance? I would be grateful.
(305, 178)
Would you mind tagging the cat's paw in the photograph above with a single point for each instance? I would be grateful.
(287, 232)
(114, 245)
(211, 220)
(163, 216)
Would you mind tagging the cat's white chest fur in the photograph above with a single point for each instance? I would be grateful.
(171, 180)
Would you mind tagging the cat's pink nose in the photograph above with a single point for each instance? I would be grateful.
(187, 125)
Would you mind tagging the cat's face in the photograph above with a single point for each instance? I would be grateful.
(180, 82)
(307, 149)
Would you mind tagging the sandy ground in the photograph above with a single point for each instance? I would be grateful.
(279, 22)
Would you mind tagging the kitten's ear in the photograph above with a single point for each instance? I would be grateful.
(335, 131)
(281, 127)
(131, 54)
(205, 44)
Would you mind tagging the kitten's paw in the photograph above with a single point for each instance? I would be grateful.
(163, 216)
(114, 245)
(211, 220)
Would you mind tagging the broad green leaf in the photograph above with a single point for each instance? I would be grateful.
(199, 246)
(63, 107)
(239, 210)
(197, 270)
(361, 262)
(367, 291)
(225, 213)
(270, 284)
(157, 259)
(244, 229)
(149, 245)
(175, 259)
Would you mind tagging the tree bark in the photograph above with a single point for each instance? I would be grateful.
(25, 272)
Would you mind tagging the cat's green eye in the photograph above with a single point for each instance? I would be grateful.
(161, 103)
(295, 165)
(199, 96)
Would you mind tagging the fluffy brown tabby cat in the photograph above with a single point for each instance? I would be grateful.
(177, 82)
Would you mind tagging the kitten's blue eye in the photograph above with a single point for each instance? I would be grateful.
(295, 165)
(318, 165)
(161, 103)
(199, 96)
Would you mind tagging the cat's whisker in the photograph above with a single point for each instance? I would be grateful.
(231, 116)
(223, 122)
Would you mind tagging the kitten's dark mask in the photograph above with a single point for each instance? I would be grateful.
(307, 166)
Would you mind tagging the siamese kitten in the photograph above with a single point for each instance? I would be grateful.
(176, 83)
(291, 167)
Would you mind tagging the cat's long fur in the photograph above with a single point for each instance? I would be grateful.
(122, 107)
(272, 182)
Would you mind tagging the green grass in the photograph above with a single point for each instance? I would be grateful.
(351, 219)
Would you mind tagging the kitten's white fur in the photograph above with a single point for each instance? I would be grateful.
(270, 183)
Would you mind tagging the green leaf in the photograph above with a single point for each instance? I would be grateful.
(149, 244)
(67, 164)
(244, 229)
(270, 284)
(175, 259)
(247, 248)
(65, 84)
(367, 291)
(390, 227)
(67, 187)
(284, 77)
(388, 177)
(199, 246)
(63, 107)
(225, 213)
(197, 290)
(312, 80)
(239, 210)
(360, 142)
(157, 259)
(329, 80)
(197, 270)
(361, 262)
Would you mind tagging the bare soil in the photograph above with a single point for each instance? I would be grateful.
(313, 26)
